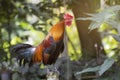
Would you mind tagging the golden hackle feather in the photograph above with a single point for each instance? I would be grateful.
(57, 31)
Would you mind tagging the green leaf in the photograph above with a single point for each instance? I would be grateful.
(106, 65)
(94, 69)
(100, 69)
(108, 15)
(116, 37)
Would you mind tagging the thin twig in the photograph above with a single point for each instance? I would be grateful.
(9, 28)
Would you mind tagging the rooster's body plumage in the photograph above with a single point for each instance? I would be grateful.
(48, 50)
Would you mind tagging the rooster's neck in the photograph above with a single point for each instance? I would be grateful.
(57, 31)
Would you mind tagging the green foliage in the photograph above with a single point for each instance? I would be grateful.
(108, 15)
(98, 69)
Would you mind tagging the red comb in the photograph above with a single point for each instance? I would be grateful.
(68, 19)
(68, 16)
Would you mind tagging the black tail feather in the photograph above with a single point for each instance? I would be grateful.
(16, 48)
(23, 52)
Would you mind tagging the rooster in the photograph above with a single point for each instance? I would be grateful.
(48, 50)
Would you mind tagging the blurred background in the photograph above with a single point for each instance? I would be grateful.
(92, 40)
